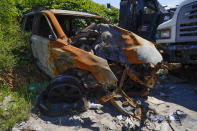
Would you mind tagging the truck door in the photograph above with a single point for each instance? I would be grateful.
(140, 16)
(127, 18)
(148, 18)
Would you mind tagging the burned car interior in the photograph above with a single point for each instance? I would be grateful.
(82, 52)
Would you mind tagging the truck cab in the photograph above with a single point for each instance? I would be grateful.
(142, 17)
(178, 36)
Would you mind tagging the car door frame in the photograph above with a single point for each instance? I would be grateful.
(40, 45)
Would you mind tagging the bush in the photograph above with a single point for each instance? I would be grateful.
(16, 109)
(11, 38)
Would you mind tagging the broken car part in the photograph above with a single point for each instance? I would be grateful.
(101, 55)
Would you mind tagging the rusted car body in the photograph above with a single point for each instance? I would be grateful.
(100, 54)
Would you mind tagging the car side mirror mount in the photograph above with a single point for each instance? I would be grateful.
(52, 37)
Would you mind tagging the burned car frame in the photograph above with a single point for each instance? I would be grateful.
(101, 55)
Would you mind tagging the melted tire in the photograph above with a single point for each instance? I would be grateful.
(52, 108)
(46, 109)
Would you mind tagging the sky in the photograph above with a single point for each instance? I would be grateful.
(116, 3)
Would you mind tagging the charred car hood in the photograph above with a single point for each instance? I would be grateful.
(121, 45)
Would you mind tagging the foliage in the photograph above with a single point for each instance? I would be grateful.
(11, 38)
(75, 5)
(16, 110)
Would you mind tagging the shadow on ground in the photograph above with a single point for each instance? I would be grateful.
(92, 119)
(181, 93)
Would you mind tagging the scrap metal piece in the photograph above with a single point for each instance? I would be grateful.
(114, 99)
(108, 97)
(138, 113)
(97, 66)
(150, 82)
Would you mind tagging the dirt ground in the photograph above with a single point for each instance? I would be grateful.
(169, 96)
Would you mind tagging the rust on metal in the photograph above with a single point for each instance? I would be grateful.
(86, 61)
(110, 55)
(58, 28)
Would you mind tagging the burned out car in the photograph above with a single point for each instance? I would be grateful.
(82, 52)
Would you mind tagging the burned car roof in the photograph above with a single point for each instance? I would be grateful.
(66, 12)
(73, 13)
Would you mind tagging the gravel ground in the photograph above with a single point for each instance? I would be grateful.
(172, 96)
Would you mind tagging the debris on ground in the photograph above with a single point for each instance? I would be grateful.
(157, 118)
(21, 124)
(121, 117)
(110, 119)
(95, 106)
(177, 116)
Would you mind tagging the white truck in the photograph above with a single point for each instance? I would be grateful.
(178, 36)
